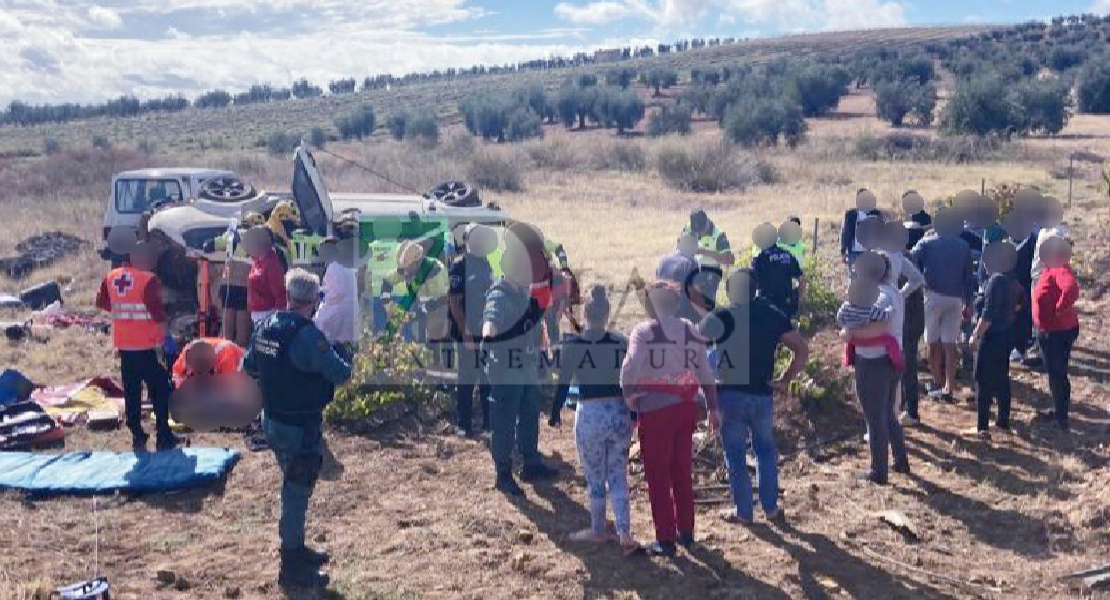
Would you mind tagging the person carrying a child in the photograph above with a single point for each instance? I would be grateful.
(872, 321)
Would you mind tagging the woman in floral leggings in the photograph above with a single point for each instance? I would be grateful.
(603, 423)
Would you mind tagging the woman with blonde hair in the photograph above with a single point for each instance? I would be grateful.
(665, 367)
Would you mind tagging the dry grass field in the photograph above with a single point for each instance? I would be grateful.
(413, 514)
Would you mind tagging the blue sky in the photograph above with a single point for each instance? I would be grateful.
(84, 50)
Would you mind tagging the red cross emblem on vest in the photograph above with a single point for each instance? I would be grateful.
(123, 283)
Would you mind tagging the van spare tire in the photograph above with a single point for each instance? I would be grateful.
(455, 193)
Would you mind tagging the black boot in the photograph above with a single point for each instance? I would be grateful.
(314, 558)
(538, 472)
(507, 485)
(166, 442)
(297, 573)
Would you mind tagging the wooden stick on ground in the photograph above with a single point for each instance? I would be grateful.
(929, 574)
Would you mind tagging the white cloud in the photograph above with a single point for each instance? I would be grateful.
(594, 13)
(176, 34)
(677, 16)
(862, 14)
(1100, 7)
(102, 16)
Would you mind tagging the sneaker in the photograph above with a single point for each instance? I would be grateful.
(910, 420)
(462, 432)
(948, 397)
(507, 485)
(867, 476)
(903, 469)
(729, 515)
(935, 393)
(538, 472)
(1004, 428)
(666, 549)
(778, 517)
(1046, 415)
(1016, 356)
(299, 575)
(975, 432)
(315, 558)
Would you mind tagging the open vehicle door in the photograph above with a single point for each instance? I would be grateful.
(310, 194)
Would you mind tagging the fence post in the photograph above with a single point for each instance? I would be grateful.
(816, 224)
(1071, 176)
(983, 187)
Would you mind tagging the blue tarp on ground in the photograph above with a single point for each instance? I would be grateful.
(109, 472)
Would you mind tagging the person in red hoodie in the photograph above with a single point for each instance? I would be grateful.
(1057, 323)
(266, 281)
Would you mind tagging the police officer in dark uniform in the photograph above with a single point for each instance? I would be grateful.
(776, 271)
(297, 370)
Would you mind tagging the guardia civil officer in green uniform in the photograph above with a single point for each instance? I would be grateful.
(297, 370)
(714, 255)
(511, 343)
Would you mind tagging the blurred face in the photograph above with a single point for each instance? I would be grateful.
(1056, 252)
(739, 287)
(201, 358)
(664, 301)
(481, 241)
(329, 252)
(866, 201)
(143, 256)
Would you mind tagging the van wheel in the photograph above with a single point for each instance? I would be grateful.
(455, 193)
(226, 189)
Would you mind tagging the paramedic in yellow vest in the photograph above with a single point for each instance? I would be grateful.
(133, 296)
(382, 263)
(427, 279)
(713, 256)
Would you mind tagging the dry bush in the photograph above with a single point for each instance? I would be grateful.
(69, 174)
(556, 155)
(497, 170)
(620, 155)
(711, 167)
(899, 146)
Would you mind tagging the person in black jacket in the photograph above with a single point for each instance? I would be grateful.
(297, 370)
(866, 206)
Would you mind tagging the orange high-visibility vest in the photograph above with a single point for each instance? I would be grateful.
(229, 358)
(133, 327)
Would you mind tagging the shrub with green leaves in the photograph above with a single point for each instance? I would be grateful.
(282, 143)
(669, 120)
(895, 100)
(422, 127)
(756, 121)
(357, 125)
(1093, 88)
(384, 375)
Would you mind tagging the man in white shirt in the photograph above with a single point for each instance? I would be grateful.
(338, 314)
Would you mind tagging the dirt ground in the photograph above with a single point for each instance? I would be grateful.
(413, 513)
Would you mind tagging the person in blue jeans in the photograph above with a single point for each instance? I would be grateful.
(747, 335)
(297, 370)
